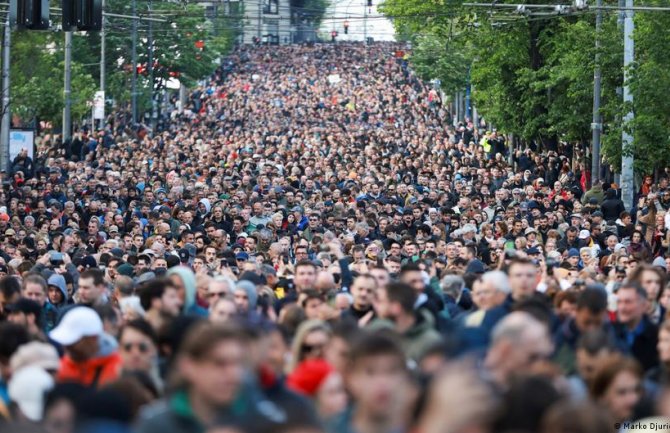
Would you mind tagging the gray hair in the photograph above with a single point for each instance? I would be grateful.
(452, 285)
(227, 281)
(499, 280)
(515, 327)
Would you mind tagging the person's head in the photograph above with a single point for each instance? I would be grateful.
(312, 302)
(318, 380)
(337, 350)
(401, 298)
(412, 275)
(25, 312)
(376, 371)
(576, 417)
(593, 347)
(245, 296)
(381, 275)
(305, 275)
(138, 346)
(59, 407)
(522, 278)
(12, 336)
(652, 280)
(35, 288)
(160, 296)
(211, 363)
(591, 309)
(517, 342)
(222, 310)
(363, 291)
(617, 386)
(491, 290)
(91, 287)
(10, 290)
(310, 340)
(631, 304)
(78, 332)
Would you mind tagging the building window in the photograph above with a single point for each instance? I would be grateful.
(271, 7)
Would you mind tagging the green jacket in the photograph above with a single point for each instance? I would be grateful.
(418, 339)
(595, 192)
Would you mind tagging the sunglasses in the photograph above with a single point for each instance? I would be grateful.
(309, 348)
(142, 347)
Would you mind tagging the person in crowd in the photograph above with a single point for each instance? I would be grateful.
(309, 215)
(138, 347)
(321, 382)
(617, 386)
(633, 328)
(91, 356)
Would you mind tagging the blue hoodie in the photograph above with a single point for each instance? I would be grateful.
(58, 280)
(188, 279)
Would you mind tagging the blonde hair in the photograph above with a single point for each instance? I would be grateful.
(304, 329)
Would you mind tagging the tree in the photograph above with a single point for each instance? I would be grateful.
(37, 64)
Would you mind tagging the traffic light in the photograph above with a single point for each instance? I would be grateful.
(82, 15)
(29, 14)
(346, 27)
(369, 3)
(333, 35)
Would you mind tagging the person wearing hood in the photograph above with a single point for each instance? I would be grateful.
(91, 356)
(204, 208)
(57, 291)
(183, 279)
(245, 297)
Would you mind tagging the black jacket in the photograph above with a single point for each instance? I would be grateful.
(644, 345)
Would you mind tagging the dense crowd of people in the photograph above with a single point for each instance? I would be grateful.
(309, 244)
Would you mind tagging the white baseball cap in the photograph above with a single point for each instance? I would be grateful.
(27, 388)
(584, 234)
(77, 323)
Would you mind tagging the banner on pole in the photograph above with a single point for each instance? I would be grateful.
(21, 139)
(99, 105)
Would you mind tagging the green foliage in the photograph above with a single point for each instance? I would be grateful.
(533, 76)
(313, 10)
(650, 84)
(37, 57)
(37, 78)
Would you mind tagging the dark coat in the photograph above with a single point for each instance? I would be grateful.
(644, 345)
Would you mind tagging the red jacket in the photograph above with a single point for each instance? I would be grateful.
(106, 368)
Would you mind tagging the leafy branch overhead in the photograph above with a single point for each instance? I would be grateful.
(187, 46)
(533, 75)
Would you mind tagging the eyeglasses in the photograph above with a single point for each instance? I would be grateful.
(216, 294)
(309, 348)
(142, 347)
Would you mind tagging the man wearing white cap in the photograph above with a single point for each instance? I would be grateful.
(91, 356)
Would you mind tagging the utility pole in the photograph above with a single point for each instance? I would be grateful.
(627, 175)
(258, 30)
(6, 109)
(133, 85)
(365, 23)
(67, 122)
(596, 125)
(150, 66)
(102, 62)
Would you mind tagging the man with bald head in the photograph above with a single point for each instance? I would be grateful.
(325, 282)
(517, 343)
